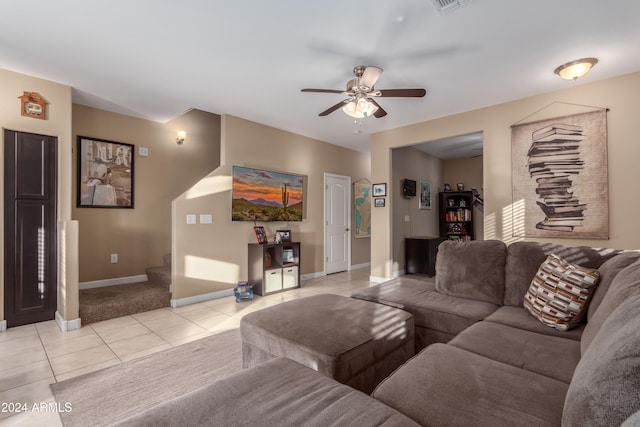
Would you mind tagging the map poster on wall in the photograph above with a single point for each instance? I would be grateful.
(362, 204)
(560, 177)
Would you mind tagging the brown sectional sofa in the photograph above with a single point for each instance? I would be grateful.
(483, 359)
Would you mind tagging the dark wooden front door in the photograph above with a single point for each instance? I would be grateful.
(30, 246)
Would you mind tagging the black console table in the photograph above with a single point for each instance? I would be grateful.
(420, 254)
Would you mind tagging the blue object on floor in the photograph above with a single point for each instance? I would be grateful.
(243, 291)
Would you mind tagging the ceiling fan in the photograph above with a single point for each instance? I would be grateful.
(360, 94)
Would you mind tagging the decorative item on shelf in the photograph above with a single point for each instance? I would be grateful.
(261, 235)
(267, 259)
(451, 202)
(462, 203)
(287, 256)
(447, 187)
(283, 236)
(460, 186)
(32, 105)
(380, 190)
(378, 203)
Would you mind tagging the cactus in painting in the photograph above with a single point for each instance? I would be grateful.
(285, 199)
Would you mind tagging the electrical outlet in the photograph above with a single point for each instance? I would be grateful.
(407, 218)
(114, 258)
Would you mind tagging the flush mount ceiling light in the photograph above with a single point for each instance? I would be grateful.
(575, 69)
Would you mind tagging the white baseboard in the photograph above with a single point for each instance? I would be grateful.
(3, 325)
(175, 303)
(360, 266)
(110, 282)
(67, 325)
(310, 276)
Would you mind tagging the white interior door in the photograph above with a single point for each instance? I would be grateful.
(337, 214)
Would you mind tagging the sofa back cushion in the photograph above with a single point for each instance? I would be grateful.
(473, 270)
(608, 271)
(605, 384)
(524, 260)
(625, 284)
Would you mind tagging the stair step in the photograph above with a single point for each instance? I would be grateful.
(159, 276)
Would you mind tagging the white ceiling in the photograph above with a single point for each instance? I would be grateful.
(157, 58)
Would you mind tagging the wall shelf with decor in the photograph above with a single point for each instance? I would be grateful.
(274, 267)
(456, 215)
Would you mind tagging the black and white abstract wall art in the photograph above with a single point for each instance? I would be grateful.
(560, 177)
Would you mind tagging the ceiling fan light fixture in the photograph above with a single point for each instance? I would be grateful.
(575, 69)
(360, 108)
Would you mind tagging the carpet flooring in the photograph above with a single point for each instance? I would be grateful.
(109, 302)
(103, 397)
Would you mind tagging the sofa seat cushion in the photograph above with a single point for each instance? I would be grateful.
(559, 293)
(430, 308)
(279, 393)
(473, 270)
(358, 343)
(520, 318)
(605, 390)
(547, 355)
(447, 386)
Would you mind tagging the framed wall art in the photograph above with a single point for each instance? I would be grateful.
(105, 173)
(424, 201)
(560, 177)
(379, 190)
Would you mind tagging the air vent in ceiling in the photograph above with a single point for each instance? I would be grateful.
(445, 6)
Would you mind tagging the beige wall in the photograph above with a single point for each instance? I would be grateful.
(57, 124)
(140, 236)
(411, 163)
(211, 258)
(621, 95)
(469, 172)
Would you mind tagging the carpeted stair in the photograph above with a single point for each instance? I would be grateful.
(109, 302)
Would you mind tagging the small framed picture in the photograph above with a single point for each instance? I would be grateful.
(447, 187)
(378, 203)
(460, 186)
(283, 236)
(379, 190)
(261, 235)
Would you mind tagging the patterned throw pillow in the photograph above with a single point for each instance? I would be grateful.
(559, 292)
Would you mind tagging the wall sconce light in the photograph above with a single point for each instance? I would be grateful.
(181, 136)
(575, 69)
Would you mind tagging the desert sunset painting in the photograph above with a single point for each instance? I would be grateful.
(260, 195)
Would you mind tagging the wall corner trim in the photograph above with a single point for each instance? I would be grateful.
(67, 325)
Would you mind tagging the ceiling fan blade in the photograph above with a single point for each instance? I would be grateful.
(380, 111)
(322, 90)
(404, 93)
(332, 109)
(370, 76)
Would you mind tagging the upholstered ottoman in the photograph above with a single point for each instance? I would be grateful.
(358, 343)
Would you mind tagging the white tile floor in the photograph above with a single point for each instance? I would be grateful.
(34, 356)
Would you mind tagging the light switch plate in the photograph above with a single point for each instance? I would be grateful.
(143, 151)
(191, 219)
(206, 219)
